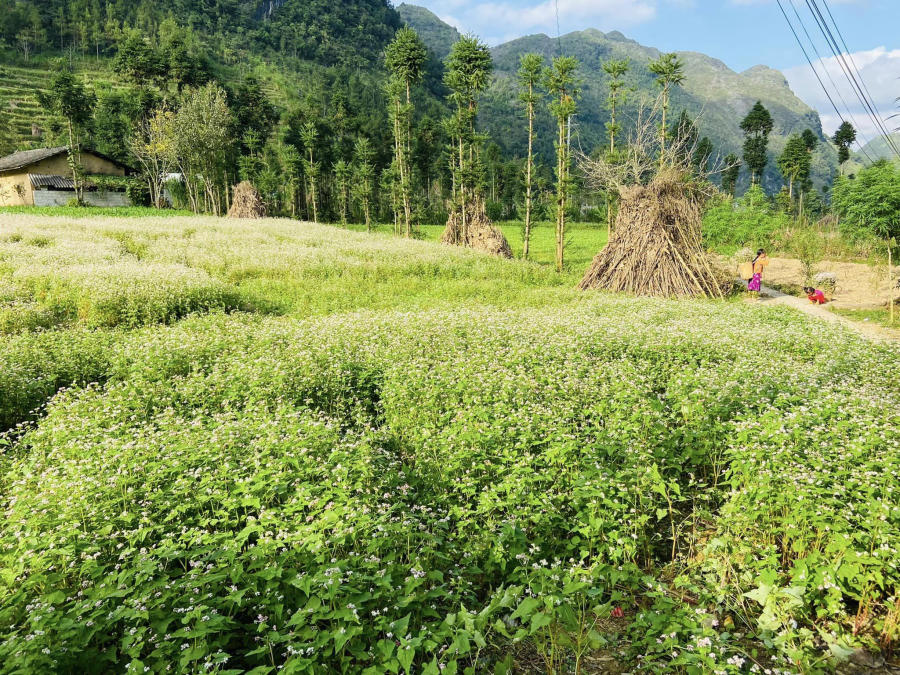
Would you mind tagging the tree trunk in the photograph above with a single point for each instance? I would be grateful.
(560, 194)
(527, 237)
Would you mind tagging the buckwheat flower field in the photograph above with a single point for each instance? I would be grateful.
(279, 447)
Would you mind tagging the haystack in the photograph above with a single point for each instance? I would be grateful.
(656, 248)
(246, 202)
(479, 233)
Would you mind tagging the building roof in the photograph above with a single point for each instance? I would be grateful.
(20, 160)
(39, 180)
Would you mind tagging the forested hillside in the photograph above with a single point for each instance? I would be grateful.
(714, 94)
(351, 31)
(302, 76)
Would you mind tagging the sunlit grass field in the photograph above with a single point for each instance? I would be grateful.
(272, 446)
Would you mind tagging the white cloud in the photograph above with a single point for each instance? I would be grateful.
(767, 2)
(879, 69)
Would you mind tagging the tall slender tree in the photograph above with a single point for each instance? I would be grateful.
(469, 68)
(793, 161)
(68, 99)
(795, 164)
(405, 59)
(530, 66)
(309, 134)
(342, 176)
(730, 174)
(669, 71)
(202, 132)
(702, 153)
(561, 83)
(616, 70)
(757, 126)
(292, 164)
(843, 138)
(364, 177)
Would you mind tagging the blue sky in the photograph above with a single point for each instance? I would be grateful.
(742, 33)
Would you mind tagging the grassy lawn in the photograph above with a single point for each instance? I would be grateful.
(583, 240)
(880, 316)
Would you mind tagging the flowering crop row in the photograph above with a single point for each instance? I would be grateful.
(437, 490)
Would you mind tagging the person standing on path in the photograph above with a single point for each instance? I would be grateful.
(760, 262)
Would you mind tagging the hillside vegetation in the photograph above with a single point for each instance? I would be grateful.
(713, 93)
(283, 446)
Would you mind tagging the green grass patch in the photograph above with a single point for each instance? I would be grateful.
(93, 211)
(880, 316)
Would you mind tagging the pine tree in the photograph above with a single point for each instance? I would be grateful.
(757, 126)
(562, 86)
(843, 138)
(530, 66)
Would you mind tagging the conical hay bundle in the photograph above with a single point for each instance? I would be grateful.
(656, 248)
(480, 234)
(246, 202)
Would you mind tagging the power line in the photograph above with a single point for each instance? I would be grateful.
(853, 76)
(828, 73)
(855, 85)
(558, 32)
(815, 72)
(852, 61)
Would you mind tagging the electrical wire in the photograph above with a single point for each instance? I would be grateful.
(852, 78)
(821, 61)
(815, 72)
(853, 62)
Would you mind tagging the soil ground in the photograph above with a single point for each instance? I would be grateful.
(859, 286)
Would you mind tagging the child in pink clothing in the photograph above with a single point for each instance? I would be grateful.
(815, 296)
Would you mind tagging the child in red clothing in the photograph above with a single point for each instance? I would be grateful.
(815, 296)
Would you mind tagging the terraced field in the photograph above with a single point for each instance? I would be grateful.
(18, 97)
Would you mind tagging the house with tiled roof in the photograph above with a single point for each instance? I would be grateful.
(42, 177)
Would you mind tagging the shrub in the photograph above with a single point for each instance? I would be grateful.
(749, 221)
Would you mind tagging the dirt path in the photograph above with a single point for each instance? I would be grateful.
(770, 296)
(859, 286)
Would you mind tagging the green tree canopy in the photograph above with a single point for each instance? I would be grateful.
(843, 138)
(870, 202)
(757, 126)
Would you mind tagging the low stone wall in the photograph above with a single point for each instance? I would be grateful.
(62, 197)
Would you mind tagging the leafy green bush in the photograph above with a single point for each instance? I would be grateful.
(748, 221)
(869, 203)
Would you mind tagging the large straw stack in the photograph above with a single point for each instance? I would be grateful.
(656, 248)
(478, 232)
(246, 202)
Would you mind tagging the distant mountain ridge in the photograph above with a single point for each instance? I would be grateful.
(718, 96)
(878, 148)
